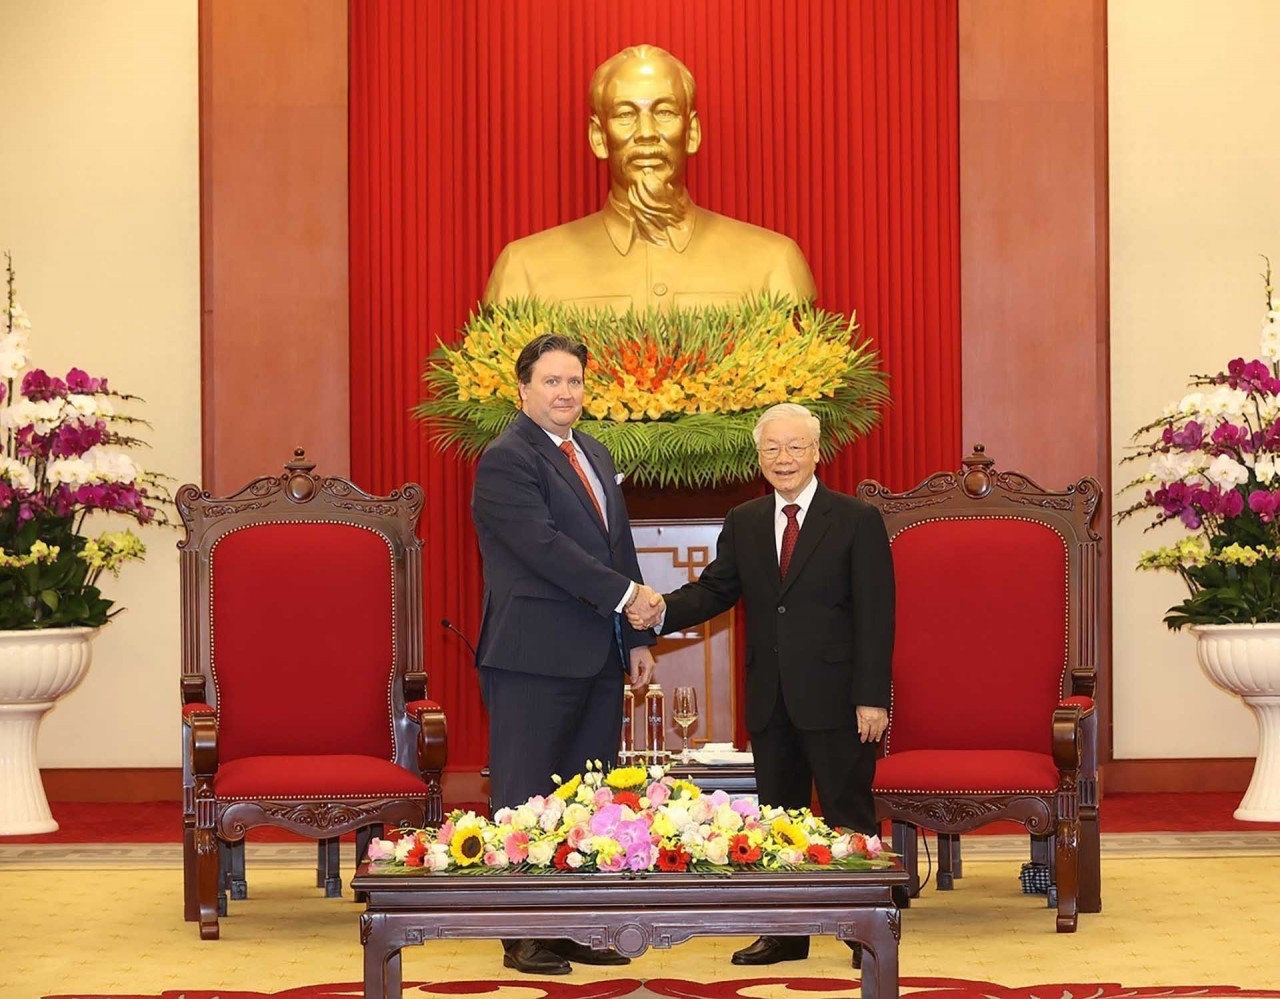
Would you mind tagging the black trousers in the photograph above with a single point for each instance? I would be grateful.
(544, 725)
(789, 761)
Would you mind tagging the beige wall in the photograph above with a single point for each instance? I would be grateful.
(1195, 198)
(99, 202)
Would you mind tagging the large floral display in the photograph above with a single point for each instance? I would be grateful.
(629, 819)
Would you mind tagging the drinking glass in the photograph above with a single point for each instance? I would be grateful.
(684, 712)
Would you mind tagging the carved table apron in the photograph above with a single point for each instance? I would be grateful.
(630, 912)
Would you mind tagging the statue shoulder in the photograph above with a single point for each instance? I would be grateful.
(525, 262)
(787, 270)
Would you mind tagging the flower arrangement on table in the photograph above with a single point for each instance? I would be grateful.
(629, 819)
(672, 394)
(63, 456)
(1214, 467)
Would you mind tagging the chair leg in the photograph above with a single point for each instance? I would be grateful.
(948, 859)
(190, 900)
(1090, 861)
(957, 862)
(207, 879)
(1067, 854)
(906, 845)
(329, 867)
(363, 836)
(233, 871)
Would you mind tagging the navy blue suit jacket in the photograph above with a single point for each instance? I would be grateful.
(552, 574)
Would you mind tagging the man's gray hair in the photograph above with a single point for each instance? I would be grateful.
(785, 411)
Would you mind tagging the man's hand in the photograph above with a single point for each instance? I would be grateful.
(871, 723)
(642, 664)
(646, 608)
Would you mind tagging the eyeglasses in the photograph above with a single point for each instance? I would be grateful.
(795, 450)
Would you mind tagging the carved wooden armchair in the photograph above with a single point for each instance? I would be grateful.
(303, 693)
(994, 671)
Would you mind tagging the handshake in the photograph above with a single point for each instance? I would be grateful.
(646, 609)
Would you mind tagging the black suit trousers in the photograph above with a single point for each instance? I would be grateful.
(544, 725)
(789, 761)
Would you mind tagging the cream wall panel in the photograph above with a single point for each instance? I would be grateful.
(99, 202)
(1195, 198)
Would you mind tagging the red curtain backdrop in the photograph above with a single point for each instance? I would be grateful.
(833, 121)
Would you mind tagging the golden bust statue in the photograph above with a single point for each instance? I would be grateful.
(650, 245)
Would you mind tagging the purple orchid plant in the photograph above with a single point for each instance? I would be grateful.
(1213, 466)
(64, 459)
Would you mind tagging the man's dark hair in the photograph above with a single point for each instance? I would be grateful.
(544, 344)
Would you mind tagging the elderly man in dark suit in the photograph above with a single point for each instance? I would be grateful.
(814, 570)
(560, 567)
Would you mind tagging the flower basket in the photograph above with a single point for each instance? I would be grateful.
(629, 819)
(673, 395)
(65, 456)
(1213, 466)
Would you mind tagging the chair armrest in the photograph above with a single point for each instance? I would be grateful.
(433, 744)
(1085, 704)
(1068, 739)
(202, 740)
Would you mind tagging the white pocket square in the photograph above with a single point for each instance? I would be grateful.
(617, 479)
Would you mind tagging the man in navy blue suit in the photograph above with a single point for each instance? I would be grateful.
(560, 569)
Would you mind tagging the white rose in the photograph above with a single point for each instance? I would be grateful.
(717, 850)
(541, 852)
(575, 860)
(727, 818)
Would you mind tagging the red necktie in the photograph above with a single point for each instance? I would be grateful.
(571, 453)
(789, 535)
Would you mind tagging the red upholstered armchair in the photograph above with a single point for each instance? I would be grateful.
(994, 671)
(303, 694)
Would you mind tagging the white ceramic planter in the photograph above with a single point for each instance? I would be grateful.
(36, 668)
(1244, 659)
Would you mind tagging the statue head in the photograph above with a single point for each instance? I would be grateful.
(644, 124)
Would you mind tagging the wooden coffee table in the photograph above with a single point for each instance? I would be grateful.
(629, 912)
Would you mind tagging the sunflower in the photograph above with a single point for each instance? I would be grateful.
(467, 846)
(789, 834)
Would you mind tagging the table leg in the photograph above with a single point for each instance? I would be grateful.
(381, 959)
(880, 956)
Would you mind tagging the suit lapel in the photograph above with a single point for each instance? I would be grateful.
(816, 522)
(536, 436)
(601, 463)
(766, 543)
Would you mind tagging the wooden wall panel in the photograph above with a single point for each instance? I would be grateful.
(1033, 248)
(273, 190)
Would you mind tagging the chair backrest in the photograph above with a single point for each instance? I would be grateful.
(301, 608)
(997, 606)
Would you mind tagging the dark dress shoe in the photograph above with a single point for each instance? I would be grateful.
(531, 957)
(771, 950)
(571, 950)
(857, 952)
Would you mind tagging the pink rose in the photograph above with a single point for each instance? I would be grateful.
(380, 849)
(603, 796)
(874, 846)
(614, 863)
(578, 835)
(658, 794)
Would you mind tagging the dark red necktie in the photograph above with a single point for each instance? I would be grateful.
(789, 535)
(571, 453)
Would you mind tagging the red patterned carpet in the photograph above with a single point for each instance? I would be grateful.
(161, 821)
(950, 988)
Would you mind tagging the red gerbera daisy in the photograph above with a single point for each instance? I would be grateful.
(741, 851)
(818, 854)
(561, 859)
(672, 858)
(628, 798)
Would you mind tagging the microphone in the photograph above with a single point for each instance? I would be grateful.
(448, 626)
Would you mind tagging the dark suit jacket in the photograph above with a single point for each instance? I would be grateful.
(826, 631)
(552, 576)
